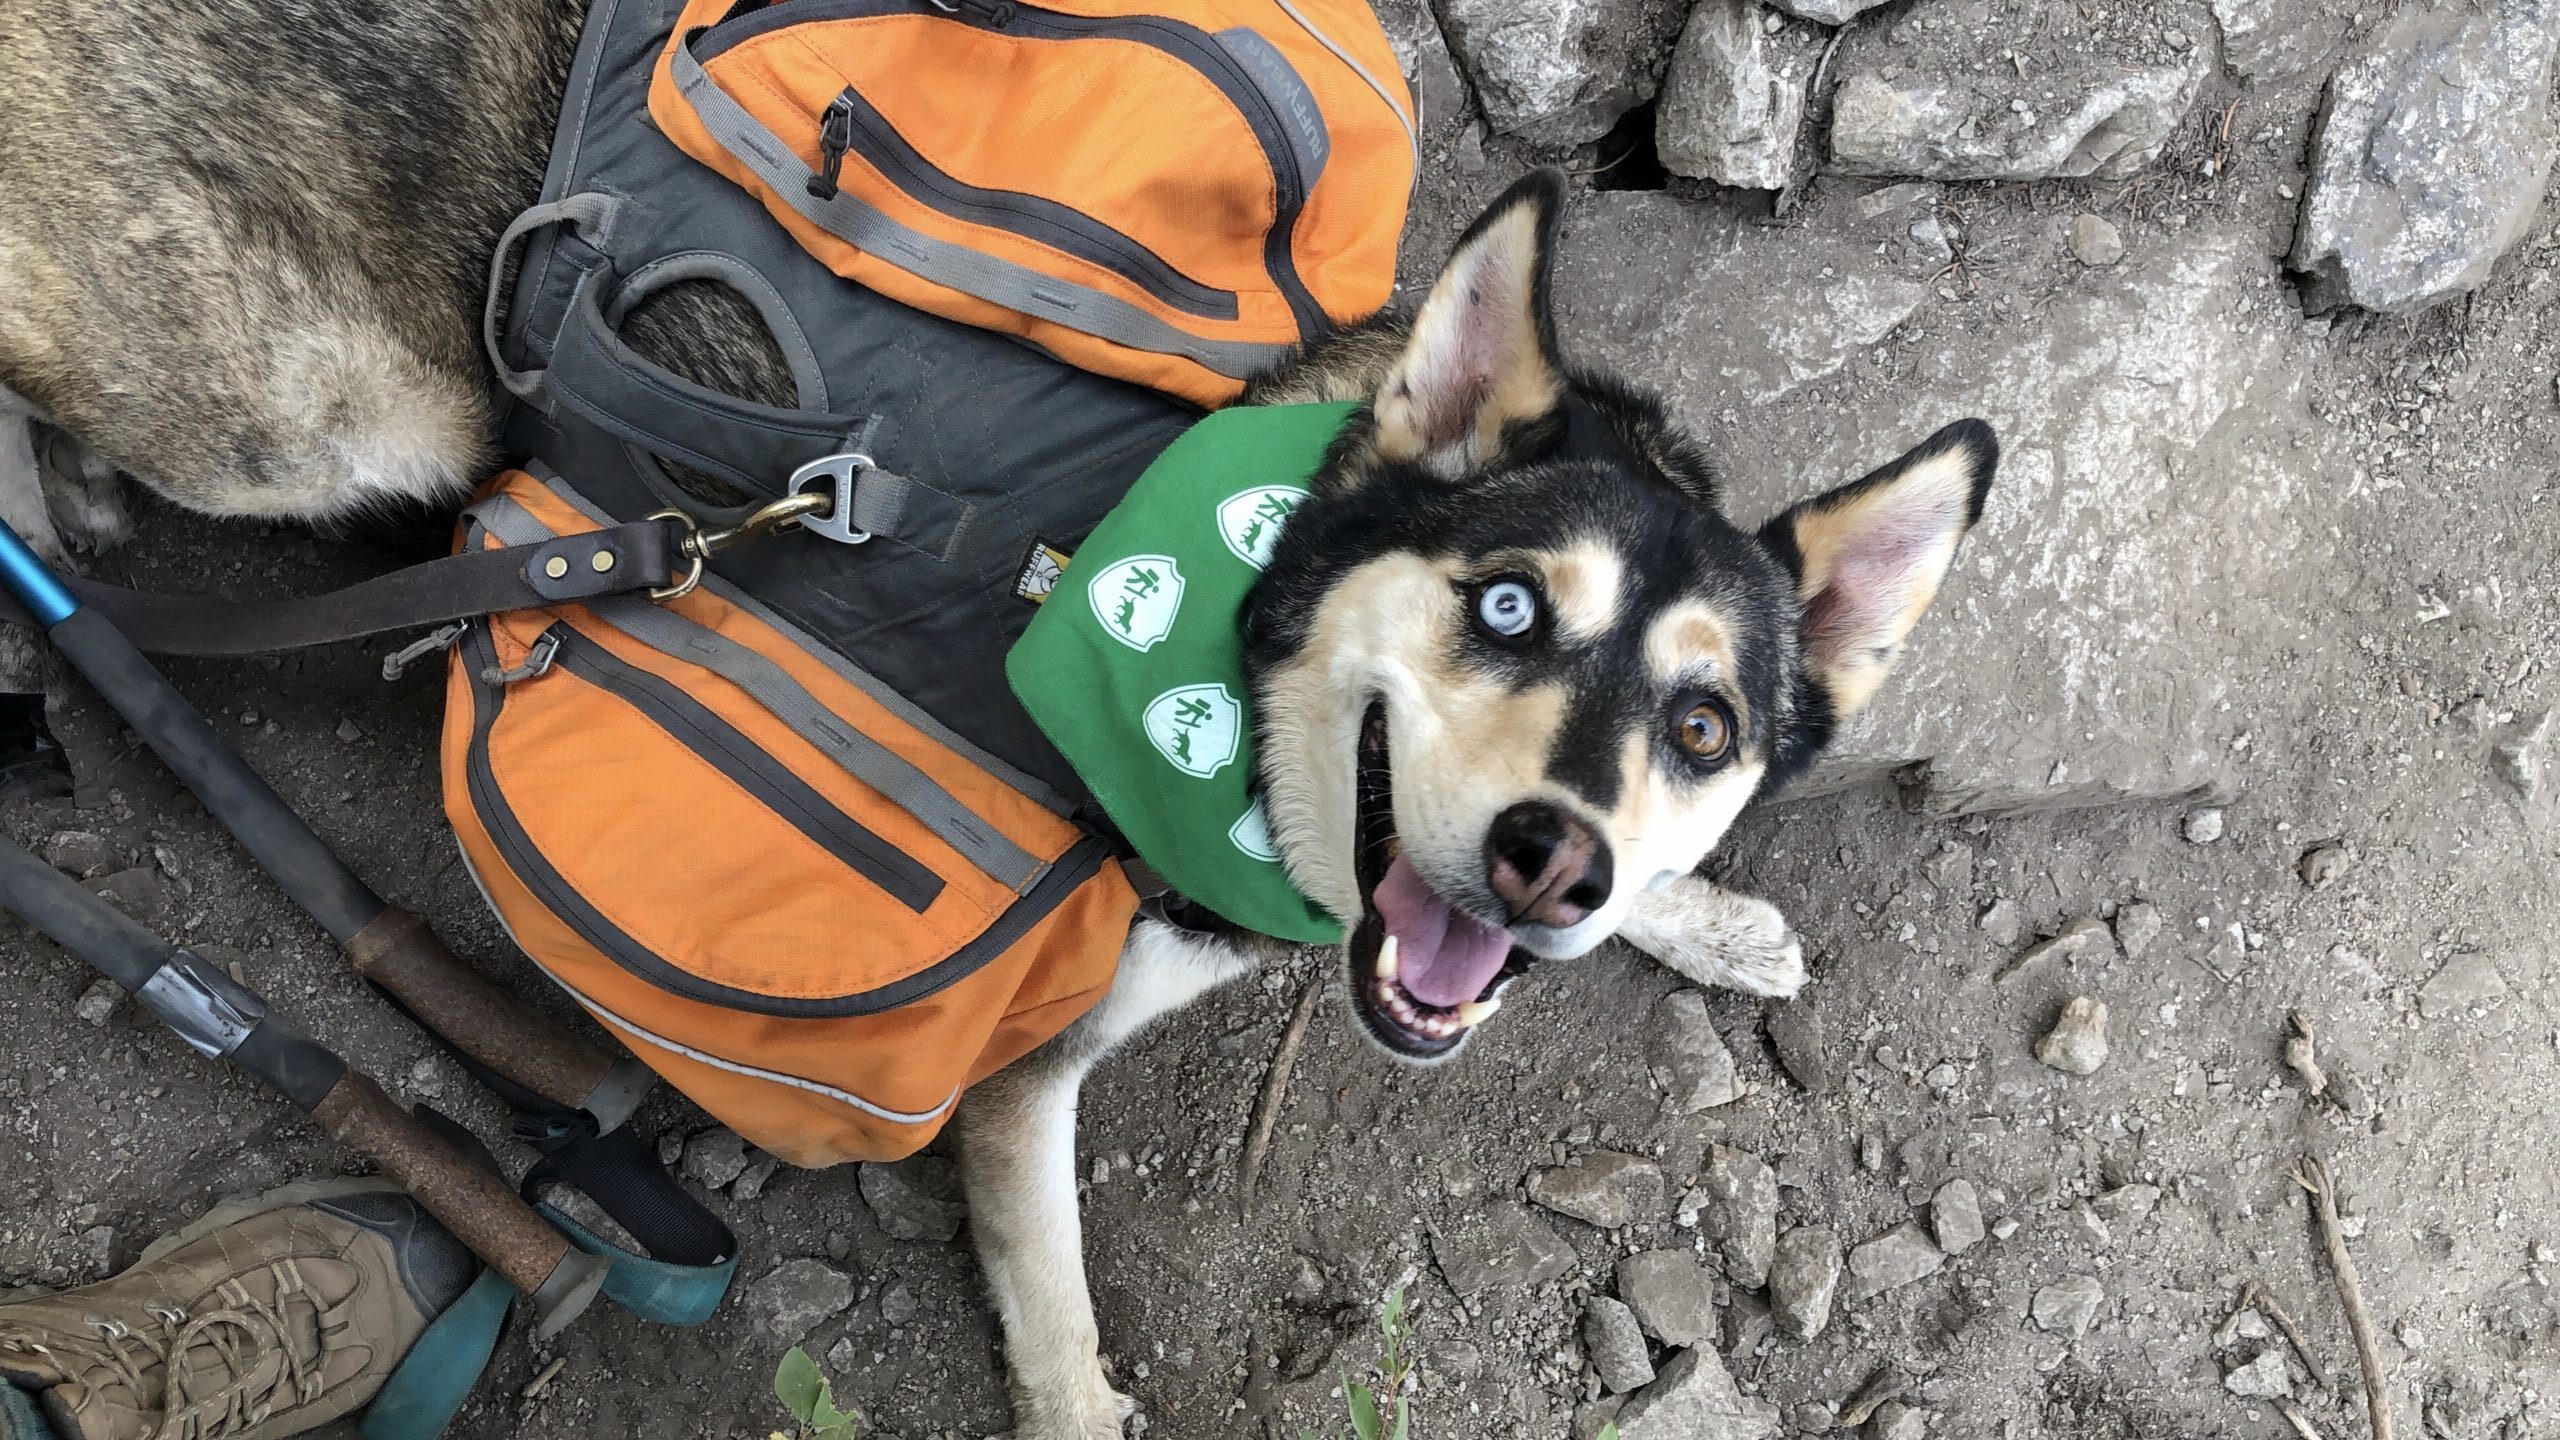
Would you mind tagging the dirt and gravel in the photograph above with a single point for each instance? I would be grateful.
(2232, 714)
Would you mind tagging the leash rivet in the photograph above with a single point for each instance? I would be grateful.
(556, 566)
(602, 561)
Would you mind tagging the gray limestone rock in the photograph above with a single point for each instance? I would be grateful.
(2137, 925)
(715, 1157)
(1501, 1245)
(1802, 1040)
(1615, 1343)
(914, 1199)
(1955, 1213)
(1690, 1061)
(1895, 1258)
(1733, 99)
(1803, 1274)
(2430, 156)
(1671, 1294)
(2264, 1378)
(2095, 240)
(2067, 1307)
(1913, 124)
(2271, 39)
(2467, 982)
(1561, 74)
(2078, 1041)
(1603, 1188)
(1694, 1398)
(791, 1301)
(1737, 1206)
(1827, 12)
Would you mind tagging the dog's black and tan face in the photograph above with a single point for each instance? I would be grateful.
(1512, 665)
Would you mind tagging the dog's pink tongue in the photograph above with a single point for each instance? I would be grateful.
(1443, 958)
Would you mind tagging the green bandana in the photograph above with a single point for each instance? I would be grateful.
(1134, 667)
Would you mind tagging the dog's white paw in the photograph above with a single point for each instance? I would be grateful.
(1090, 1412)
(1764, 956)
(1716, 937)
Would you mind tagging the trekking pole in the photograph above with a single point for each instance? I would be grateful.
(389, 946)
(223, 1019)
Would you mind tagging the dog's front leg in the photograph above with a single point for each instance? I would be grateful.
(1717, 937)
(1018, 1161)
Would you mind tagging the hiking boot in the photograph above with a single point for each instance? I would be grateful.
(262, 1320)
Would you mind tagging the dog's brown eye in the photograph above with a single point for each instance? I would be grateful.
(1704, 731)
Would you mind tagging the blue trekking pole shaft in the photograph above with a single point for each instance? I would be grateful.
(286, 848)
(389, 946)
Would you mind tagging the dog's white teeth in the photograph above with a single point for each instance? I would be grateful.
(1476, 1012)
(1387, 958)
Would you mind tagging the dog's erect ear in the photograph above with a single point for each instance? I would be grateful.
(1868, 556)
(1482, 354)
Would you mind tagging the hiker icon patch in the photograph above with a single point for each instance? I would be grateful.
(1137, 599)
(1250, 520)
(1196, 727)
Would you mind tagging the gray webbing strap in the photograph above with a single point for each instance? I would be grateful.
(955, 267)
(592, 216)
(862, 757)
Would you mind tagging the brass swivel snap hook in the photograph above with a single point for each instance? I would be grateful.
(699, 545)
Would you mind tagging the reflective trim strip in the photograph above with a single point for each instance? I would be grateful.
(769, 685)
(607, 1017)
(1412, 140)
(957, 267)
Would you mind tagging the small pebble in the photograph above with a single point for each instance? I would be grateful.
(97, 1004)
(2078, 1040)
(2095, 241)
(2321, 867)
(2203, 825)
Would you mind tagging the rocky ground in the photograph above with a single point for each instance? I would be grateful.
(2232, 714)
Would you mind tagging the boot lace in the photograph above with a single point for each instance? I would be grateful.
(257, 1366)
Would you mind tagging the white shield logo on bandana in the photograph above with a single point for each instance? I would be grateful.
(1252, 834)
(1137, 599)
(1250, 520)
(1197, 727)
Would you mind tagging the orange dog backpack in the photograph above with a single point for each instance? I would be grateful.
(780, 825)
(1174, 192)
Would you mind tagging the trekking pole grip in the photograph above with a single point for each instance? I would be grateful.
(480, 1208)
(402, 955)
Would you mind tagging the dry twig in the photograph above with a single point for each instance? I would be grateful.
(2313, 1176)
(1275, 1088)
(2257, 1297)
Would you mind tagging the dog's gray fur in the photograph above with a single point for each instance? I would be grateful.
(242, 247)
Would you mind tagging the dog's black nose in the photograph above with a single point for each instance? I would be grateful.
(1548, 866)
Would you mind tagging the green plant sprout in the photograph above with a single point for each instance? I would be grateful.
(805, 1392)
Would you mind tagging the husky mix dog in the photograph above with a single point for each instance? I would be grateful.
(1516, 671)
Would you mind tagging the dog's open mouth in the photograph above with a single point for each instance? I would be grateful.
(1423, 972)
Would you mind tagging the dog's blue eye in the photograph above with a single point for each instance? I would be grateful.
(1507, 607)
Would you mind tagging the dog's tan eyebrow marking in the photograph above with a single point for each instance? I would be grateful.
(1691, 638)
(1585, 581)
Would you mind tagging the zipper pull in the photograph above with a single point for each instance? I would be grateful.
(433, 642)
(537, 662)
(997, 13)
(835, 137)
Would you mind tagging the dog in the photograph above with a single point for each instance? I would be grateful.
(1515, 671)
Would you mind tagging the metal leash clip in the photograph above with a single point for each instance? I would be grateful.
(699, 545)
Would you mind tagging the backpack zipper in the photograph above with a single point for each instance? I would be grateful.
(835, 137)
(850, 126)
